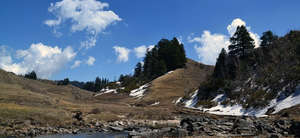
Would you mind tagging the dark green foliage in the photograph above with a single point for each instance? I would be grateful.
(259, 98)
(209, 89)
(138, 71)
(268, 38)
(172, 53)
(167, 55)
(32, 75)
(66, 81)
(94, 86)
(220, 68)
(128, 82)
(90, 86)
(100, 83)
(241, 43)
(226, 66)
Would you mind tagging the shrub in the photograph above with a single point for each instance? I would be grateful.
(31, 75)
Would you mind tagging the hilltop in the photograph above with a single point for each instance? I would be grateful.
(262, 84)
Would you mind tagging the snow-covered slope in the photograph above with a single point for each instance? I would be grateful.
(238, 110)
(139, 92)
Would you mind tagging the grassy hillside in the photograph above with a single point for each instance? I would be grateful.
(42, 103)
(178, 83)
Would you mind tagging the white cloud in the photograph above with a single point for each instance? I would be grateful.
(88, 15)
(76, 64)
(122, 53)
(43, 59)
(211, 45)
(140, 51)
(234, 24)
(239, 22)
(208, 46)
(90, 61)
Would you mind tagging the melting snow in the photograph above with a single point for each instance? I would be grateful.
(139, 92)
(238, 110)
(290, 101)
(106, 90)
(178, 100)
(156, 103)
(193, 101)
(170, 72)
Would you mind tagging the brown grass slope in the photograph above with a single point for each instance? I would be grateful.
(179, 83)
(43, 103)
(39, 100)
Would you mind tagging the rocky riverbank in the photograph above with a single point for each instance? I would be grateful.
(223, 126)
(227, 126)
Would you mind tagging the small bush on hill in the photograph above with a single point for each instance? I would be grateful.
(32, 75)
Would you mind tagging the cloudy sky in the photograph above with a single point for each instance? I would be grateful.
(82, 39)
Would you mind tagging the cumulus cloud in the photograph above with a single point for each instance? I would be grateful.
(211, 45)
(76, 64)
(140, 51)
(45, 60)
(90, 61)
(122, 53)
(208, 45)
(84, 15)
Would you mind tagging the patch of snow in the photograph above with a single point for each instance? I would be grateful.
(238, 110)
(170, 72)
(178, 100)
(139, 92)
(105, 91)
(219, 98)
(289, 101)
(156, 103)
(193, 101)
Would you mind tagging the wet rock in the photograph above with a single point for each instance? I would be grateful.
(78, 116)
(295, 128)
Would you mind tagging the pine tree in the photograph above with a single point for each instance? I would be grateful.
(165, 56)
(268, 38)
(138, 70)
(241, 42)
(98, 83)
(220, 70)
(31, 75)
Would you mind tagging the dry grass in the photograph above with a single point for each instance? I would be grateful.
(44, 102)
(179, 83)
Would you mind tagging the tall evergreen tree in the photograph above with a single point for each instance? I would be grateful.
(220, 70)
(138, 70)
(98, 83)
(268, 38)
(241, 42)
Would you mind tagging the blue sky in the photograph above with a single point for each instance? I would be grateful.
(27, 42)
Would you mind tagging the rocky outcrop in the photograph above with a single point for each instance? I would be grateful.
(239, 126)
(201, 125)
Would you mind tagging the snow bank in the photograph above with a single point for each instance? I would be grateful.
(178, 100)
(169, 72)
(193, 101)
(238, 110)
(156, 103)
(105, 91)
(288, 102)
(139, 92)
